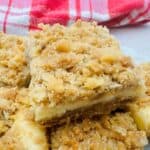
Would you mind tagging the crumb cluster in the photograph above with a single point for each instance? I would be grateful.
(76, 63)
(13, 63)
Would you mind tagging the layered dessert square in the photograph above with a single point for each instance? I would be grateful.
(115, 132)
(24, 134)
(11, 101)
(18, 131)
(140, 109)
(78, 71)
(13, 63)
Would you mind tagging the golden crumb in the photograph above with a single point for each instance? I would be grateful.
(146, 69)
(108, 132)
(13, 63)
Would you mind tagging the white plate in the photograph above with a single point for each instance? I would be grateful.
(139, 56)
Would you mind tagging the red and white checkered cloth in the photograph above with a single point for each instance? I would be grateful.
(20, 16)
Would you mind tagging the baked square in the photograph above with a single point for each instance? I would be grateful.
(115, 132)
(78, 70)
(140, 109)
(24, 134)
(11, 101)
(13, 63)
(18, 131)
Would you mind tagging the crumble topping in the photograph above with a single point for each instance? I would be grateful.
(146, 69)
(75, 63)
(13, 64)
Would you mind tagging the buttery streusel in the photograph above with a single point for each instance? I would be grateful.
(13, 64)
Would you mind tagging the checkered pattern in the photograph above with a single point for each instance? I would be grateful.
(20, 16)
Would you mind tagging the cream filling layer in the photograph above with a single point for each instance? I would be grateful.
(45, 113)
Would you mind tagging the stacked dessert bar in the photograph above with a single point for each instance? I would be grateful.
(64, 88)
(78, 70)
